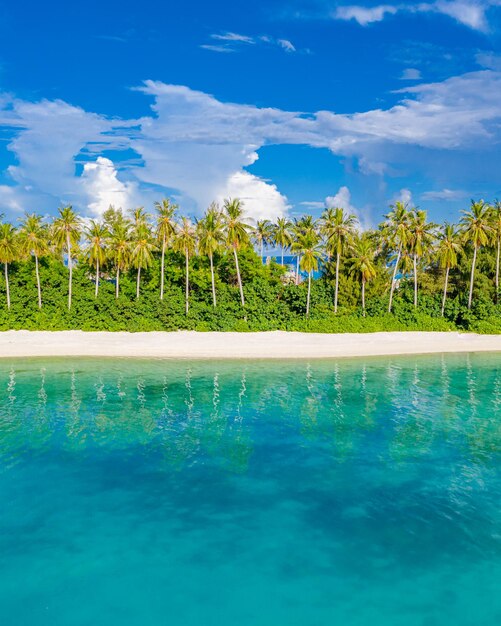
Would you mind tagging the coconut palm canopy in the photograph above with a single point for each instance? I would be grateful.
(406, 249)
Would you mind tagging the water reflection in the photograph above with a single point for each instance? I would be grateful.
(216, 414)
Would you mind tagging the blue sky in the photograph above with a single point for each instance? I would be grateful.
(290, 105)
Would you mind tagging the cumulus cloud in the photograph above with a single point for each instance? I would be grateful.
(365, 15)
(103, 188)
(261, 200)
(52, 134)
(404, 195)
(342, 199)
(470, 13)
(198, 148)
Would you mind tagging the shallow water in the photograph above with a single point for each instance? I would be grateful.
(203, 493)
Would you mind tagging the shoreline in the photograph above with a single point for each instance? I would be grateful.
(231, 345)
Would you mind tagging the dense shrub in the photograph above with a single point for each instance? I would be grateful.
(271, 302)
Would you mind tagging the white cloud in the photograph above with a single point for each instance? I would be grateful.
(286, 45)
(197, 147)
(410, 73)
(489, 60)
(52, 135)
(405, 196)
(444, 194)
(470, 13)
(10, 199)
(261, 200)
(233, 37)
(365, 15)
(370, 167)
(342, 200)
(313, 204)
(213, 48)
(102, 186)
(230, 42)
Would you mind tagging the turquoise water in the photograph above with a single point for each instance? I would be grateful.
(251, 493)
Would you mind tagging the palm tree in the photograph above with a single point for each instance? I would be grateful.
(263, 234)
(282, 234)
(33, 241)
(165, 231)
(496, 227)
(448, 250)
(477, 231)
(362, 263)
(421, 238)
(67, 229)
(8, 252)
(396, 233)
(339, 229)
(139, 216)
(97, 235)
(142, 250)
(119, 248)
(310, 247)
(112, 217)
(210, 239)
(185, 242)
(301, 227)
(236, 234)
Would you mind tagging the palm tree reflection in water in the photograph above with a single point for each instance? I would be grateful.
(213, 413)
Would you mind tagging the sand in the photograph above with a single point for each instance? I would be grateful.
(269, 345)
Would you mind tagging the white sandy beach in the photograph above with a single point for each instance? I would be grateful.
(269, 345)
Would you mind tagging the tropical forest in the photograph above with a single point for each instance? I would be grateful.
(160, 270)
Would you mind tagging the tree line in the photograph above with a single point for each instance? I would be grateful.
(405, 246)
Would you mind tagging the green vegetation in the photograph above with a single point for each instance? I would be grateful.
(138, 272)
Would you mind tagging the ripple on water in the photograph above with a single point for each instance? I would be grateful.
(353, 492)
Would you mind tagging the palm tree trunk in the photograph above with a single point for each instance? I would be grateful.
(239, 277)
(213, 280)
(138, 280)
(363, 296)
(308, 297)
(97, 279)
(162, 270)
(297, 270)
(117, 283)
(283, 251)
(39, 290)
(7, 288)
(187, 285)
(470, 295)
(338, 258)
(392, 288)
(445, 289)
(70, 267)
(262, 250)
(415, 280)
(498, 254)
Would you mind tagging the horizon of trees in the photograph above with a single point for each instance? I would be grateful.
(405, 246)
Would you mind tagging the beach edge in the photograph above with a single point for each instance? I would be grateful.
(232, 345)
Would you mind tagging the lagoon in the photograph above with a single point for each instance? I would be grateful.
(362, 491)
